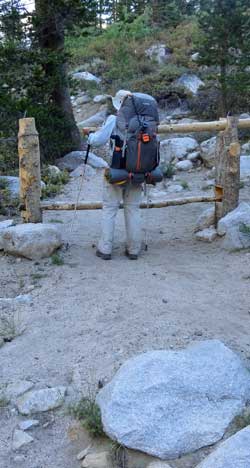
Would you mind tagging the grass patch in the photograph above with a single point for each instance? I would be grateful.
(242, 420)
(10, 328)
(168, 170)
(242, 184)
(118, 455)
(184, 184)
(54, 182)
(89, 414)
(3, 402)
(37, 276)
(244, 228)
(56, 259)
(55, 221)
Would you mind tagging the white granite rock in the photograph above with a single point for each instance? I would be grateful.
(206, 235)
(205, 220)
(190, 82)
(208, 148)
(184, 165)
(20, 438)
(86, 76)
(41, 400)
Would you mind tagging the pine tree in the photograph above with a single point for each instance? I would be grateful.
(225, 26)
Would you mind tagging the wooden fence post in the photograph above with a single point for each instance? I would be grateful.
(227, 181)
(29, 171)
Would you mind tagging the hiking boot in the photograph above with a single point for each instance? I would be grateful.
(131, 256)
(103, 255)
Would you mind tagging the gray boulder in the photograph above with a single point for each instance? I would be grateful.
(235, 227)
(177, 148)
(86, 76)
(190, 82)
(53, 171)
(158, 52)
(73, 160)
(101, 98)
(205, 220)
(28, 424)
(244, 166)
(169, 403)
(208, 148)
(158, 464)
(233, 453)
(83, 99)
(95, 120)
(241, 215)
(245, 149)
(41, 400)
(184, 165)
(30, 240)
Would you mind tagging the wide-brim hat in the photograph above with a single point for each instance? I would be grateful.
(119, 98)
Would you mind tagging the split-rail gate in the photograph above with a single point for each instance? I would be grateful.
(227, 162)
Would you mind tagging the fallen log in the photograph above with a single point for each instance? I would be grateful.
(97, 205)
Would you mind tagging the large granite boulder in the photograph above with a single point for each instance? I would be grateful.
(13, 185)
(33, 241)
(233, 453)
(177, 148)
(73, 160)
(95, 120)
(190, 82)
(169, 403)
(86, 76)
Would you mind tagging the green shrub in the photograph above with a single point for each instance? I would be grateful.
(54, 183)
(168, 170)
(88, 412)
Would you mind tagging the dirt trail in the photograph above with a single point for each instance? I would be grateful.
(88, 316)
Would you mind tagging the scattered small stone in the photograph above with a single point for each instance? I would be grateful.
(41, 400)
(96, 460)
(208, 184)
(205, 220)
(175, 188)
(20, 438)
(28, 424)
(193, 156)
(198, 333)
(165, 301)
(206, 235)
(81, 455)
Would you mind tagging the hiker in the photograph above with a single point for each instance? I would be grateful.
(115, 130)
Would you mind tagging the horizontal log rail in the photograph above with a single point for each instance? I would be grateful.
(217, 125)
(97, 205)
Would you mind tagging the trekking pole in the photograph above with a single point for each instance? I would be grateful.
(146, 193)
(80, 187)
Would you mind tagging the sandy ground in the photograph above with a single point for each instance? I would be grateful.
(88, 316)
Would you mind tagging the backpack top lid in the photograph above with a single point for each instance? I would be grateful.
(137, 107)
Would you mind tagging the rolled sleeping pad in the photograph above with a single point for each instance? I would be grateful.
(121, 176)
(116, 176)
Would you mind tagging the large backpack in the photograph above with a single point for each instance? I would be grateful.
(136, 146)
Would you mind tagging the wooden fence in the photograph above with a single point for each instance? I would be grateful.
(227, 157)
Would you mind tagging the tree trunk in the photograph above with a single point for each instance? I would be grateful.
(50, 28)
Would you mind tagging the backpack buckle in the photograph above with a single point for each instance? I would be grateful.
(145, 137)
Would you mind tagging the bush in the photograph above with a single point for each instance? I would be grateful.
(89, 414)
(54, 183)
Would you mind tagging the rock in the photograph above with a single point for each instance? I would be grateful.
(53, 171)
(33, 241)
(41, 400)
(208, 148)
(236, 238)
(158, 464)
(244, 166)
(88, 171)
(233, 453)
(176, 148)
(14, 390)
(86, 76)
(175, 188)
(206, 235)
(20, 439)
(169, 403)
(28, 424)
(101, 98)
(184, 165)
(80, 100)
(245, 149)
(205, 220)
(7, 223)
(14, 185)
(190, 82)
(195, 57)
(73, 160)
(241, 215)
(158, 52)
(95, 120)
(193, 156)
(12, 302)
(81, 455)
(97, 460)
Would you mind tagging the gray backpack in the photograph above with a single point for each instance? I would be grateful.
(137, 122)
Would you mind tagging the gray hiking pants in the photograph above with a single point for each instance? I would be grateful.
(112, 196)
